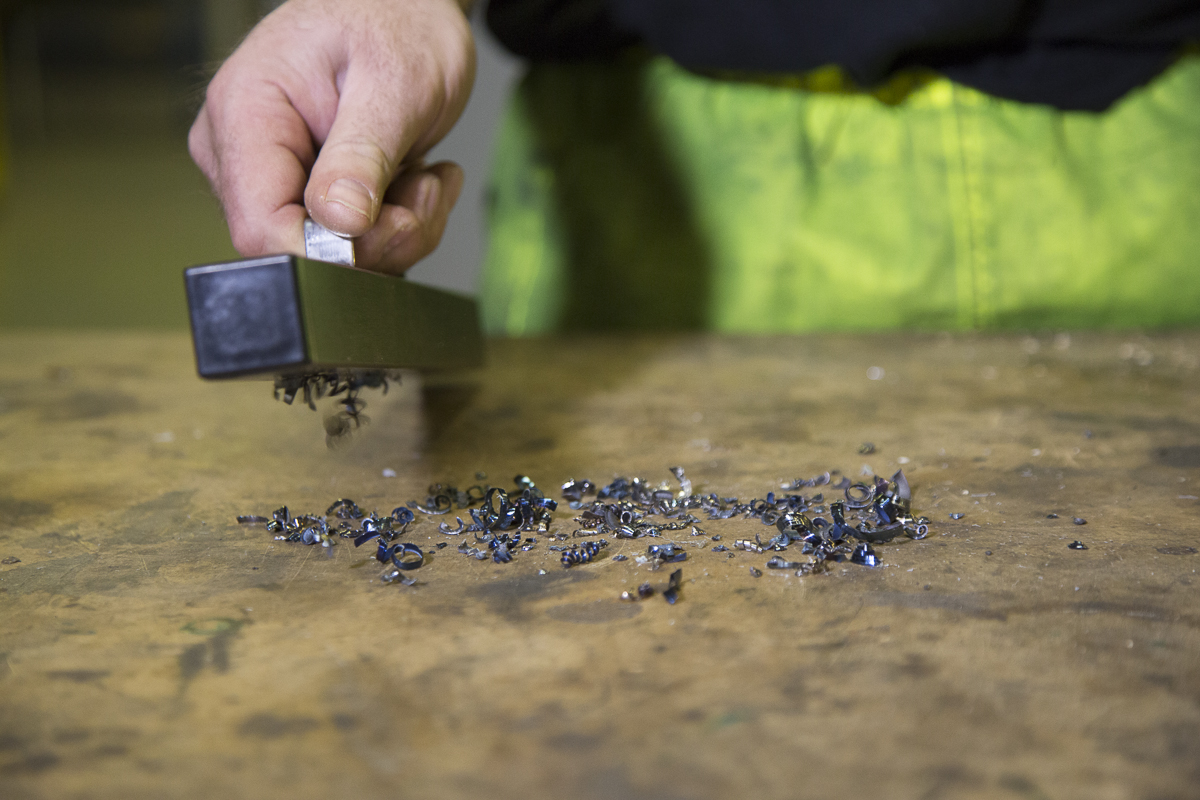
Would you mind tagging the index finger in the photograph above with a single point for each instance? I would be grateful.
(257, 151)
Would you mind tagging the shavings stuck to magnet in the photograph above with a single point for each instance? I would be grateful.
(343, 385)
(340, 425)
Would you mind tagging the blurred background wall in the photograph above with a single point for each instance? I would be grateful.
(100, 206)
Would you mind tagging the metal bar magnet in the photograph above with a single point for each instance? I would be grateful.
(284, 314)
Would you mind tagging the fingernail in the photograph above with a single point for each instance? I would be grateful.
(352, 194)
(428, 196)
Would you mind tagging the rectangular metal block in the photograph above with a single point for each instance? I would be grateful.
(284, 314)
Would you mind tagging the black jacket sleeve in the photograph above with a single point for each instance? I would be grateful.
(1073, 54)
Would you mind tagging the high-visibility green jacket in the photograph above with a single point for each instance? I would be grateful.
(638, 195)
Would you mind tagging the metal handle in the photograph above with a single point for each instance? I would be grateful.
(322, 244)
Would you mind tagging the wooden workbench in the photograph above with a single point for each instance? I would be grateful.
(152, 647)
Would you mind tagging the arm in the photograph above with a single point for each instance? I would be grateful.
(325, 110)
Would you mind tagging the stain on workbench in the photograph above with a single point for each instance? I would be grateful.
(917, 666)
(574, 740)
(89, 405)
(110, 751)
(595, 612)
(538, 444)
(510, 597)
(950, 780)
(614, 782)
(1174, 426)
(10, 742)
(271, 726)
(15, 513)
(1136, 610)
(32, 763)
(444, 402)
(76, 575)
(13, 396)
(1170, 742)
(212, 653)
(344, 722)
(1022, 786)
(973, 604)
(1182, 456)
(146, 522)
(773, 423)
(78, 675)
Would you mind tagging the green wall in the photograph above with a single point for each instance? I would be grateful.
(98, 234)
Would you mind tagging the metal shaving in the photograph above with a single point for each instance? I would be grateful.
(671, 595)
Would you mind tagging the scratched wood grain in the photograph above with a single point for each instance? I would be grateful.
(151, 647)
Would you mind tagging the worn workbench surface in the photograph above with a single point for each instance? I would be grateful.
(150, 646)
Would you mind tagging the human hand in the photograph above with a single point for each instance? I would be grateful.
(325, 110)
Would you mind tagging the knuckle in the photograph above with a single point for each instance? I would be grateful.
(216, 91)
(198, 144)
(246, 241)
(361, 152)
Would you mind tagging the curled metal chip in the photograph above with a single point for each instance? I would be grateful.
(671, 595)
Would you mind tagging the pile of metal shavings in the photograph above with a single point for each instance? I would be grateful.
(341, 384)
(345, 520)
(505, 523)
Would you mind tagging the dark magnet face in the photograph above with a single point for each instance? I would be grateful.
(245, 317)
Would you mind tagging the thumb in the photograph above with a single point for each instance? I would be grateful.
(370, 136)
